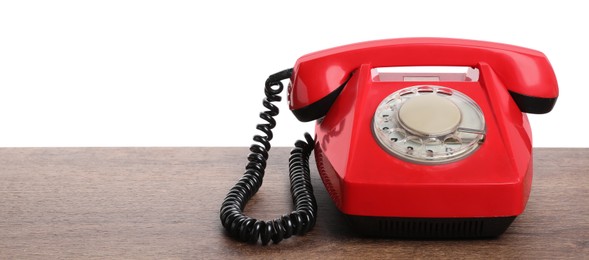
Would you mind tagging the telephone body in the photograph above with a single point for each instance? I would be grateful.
(477, 195)
(424, 155)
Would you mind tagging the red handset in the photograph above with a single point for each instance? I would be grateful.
(526, 73)
(428, 155)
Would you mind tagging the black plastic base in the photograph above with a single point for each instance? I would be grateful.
(430, 228)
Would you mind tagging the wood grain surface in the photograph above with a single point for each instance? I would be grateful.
(163, 203)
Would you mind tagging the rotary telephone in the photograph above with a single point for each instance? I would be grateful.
(405, 155)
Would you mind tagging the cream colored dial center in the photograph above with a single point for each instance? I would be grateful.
(430, 114)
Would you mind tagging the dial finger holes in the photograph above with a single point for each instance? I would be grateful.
(397, 135)
(413, 143)
(387, 126)
(425, 89)
(452, 143)
(406, 92)
(432, 147)
(429, 153)
(409, 150)
(444, 91)
(387, 115)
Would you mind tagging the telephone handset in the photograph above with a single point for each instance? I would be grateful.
(408, 155)
(525, 73)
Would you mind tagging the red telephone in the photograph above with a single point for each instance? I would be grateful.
(408, 155)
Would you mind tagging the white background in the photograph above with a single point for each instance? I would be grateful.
(191, 73)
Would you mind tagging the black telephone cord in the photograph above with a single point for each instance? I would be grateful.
(299, 221)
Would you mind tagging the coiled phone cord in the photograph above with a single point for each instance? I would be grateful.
(299, 221)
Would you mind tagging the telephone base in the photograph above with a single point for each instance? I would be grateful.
(430, 228)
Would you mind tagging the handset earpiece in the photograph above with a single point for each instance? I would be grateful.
(319, 108)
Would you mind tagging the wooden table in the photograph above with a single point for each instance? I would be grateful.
(163, 203)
